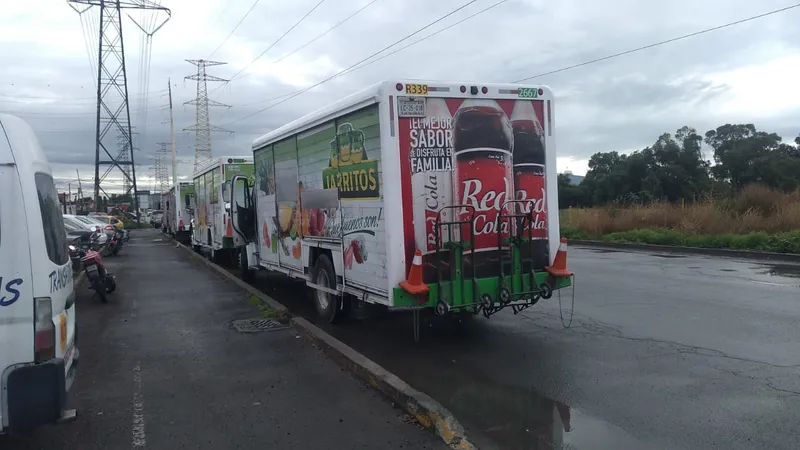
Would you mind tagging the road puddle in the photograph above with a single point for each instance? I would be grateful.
(499, 407)
(782, 270)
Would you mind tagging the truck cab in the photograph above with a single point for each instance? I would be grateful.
(38, 352)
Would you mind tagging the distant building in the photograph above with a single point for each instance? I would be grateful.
(574, 179)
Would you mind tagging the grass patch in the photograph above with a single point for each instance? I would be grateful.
(264, 310)
(758, 219)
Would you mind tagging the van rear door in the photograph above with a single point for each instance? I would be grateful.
(16, 285)
(52, 267)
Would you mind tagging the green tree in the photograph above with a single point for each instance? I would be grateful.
(672, 168)
(745, 155)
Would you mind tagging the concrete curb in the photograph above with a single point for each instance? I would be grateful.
(726, 253)
(430, 413)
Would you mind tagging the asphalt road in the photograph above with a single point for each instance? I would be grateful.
(664, 352)
(162, 368)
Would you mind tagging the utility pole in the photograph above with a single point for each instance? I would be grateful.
(172, 136)
(113, 108)
(202, 127)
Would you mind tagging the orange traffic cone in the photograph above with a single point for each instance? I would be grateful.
(414, 285)
(229, 231)
(559, 267)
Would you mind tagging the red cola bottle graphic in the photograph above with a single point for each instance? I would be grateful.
(529, 180)
(432, 188)
(482, 144)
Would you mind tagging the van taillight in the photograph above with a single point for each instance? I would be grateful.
(45, 331)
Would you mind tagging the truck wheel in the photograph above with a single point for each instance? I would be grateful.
(247, 274)
(329, 306)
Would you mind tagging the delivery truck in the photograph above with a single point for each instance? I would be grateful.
(178, 211)
(211, 229)
(412, 195)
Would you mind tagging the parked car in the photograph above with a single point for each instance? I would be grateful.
(87, 224)
(156, 218)
(38, 350)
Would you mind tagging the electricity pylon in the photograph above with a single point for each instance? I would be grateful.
(202, 126)
(113, 109)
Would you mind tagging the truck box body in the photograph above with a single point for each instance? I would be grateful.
(407, 166)
(178, 210)
(212, 228)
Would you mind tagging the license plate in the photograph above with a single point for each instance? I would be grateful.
(91, 269)
(411, 106)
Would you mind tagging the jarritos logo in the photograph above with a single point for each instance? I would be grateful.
(350, 170)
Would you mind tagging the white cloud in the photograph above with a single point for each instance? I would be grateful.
(739, 74)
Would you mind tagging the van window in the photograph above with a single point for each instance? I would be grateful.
(54, 236)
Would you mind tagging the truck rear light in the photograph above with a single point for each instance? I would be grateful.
(45, 331)
(463, 89)
(180, 225)
(484, 89)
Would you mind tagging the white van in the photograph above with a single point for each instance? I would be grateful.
(37, 300)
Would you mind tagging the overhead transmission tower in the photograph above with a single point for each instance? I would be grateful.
(113, 108)
(161, 175)
(125, 152)
(202, 126)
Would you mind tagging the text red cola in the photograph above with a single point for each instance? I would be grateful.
(529, 181)
(482, 144)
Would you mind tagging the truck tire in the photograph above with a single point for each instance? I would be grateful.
(248, 275)
(329, 306)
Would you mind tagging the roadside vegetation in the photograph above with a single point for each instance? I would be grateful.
(667, 194)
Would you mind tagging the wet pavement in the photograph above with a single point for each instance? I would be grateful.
(665, 351)
(162, 368)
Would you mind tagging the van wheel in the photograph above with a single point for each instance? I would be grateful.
(247, 274)
(329, 306)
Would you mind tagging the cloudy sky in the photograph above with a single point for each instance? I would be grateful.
(746, 73)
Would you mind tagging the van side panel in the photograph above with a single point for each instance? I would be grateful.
(16, 287)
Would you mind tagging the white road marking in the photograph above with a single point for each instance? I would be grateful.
(139, 438)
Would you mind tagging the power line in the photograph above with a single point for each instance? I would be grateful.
(280, 38)
(430, 35)
(341, 72)
(392, 52)
(234, 28)
(82, 99)
(645, 47)
(318, 37)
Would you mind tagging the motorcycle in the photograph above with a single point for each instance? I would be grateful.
(89, 240)
(116, 242)
(102, 281)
